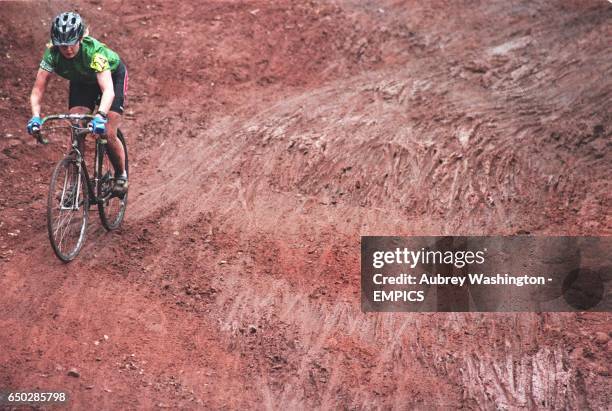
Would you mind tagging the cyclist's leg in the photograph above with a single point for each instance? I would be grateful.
(82, 100)
(116, 152)
(71, 190)
(115, 148)
(80, 110)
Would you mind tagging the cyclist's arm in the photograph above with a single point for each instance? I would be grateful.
(105, 81)
(38, 91)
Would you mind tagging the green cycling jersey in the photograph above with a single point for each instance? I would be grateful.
(93, 57)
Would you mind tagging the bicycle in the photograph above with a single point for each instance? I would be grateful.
(72, 191)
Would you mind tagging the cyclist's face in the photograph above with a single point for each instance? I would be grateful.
(70, 51)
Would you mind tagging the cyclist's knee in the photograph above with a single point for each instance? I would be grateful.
(114, 120)
(111, 129)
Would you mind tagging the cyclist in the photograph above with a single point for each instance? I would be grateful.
(97, 76)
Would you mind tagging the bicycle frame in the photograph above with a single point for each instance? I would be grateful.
(77, 133)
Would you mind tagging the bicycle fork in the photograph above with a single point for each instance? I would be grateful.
(74, 193)
(75, 189)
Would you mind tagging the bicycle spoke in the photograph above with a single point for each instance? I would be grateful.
(64, 189)
(61, 219)
(66, 227)
(63, 228)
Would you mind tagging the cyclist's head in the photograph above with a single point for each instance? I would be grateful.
(67, 29)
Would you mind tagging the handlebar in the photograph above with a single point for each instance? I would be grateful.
(36, 131)
(74, 117)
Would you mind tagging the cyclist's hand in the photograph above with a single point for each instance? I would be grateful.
(98, 125)
(34, 122)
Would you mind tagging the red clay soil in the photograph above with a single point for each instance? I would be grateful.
(265, 139)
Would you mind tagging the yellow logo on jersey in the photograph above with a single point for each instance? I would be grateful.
(99, 63)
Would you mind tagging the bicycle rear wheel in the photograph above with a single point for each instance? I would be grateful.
(67, 209)
(111, 208)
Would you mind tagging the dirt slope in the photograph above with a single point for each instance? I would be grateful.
(265, 138)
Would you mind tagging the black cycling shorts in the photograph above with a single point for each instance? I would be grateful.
(89, 94)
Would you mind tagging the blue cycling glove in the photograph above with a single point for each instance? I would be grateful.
(34, 122)
(98, 125)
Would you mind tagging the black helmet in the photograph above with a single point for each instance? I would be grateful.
(67, 29)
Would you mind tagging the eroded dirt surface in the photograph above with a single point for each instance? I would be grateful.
(265, 139)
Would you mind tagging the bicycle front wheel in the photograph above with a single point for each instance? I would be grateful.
(110, 207)
(67, 209)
